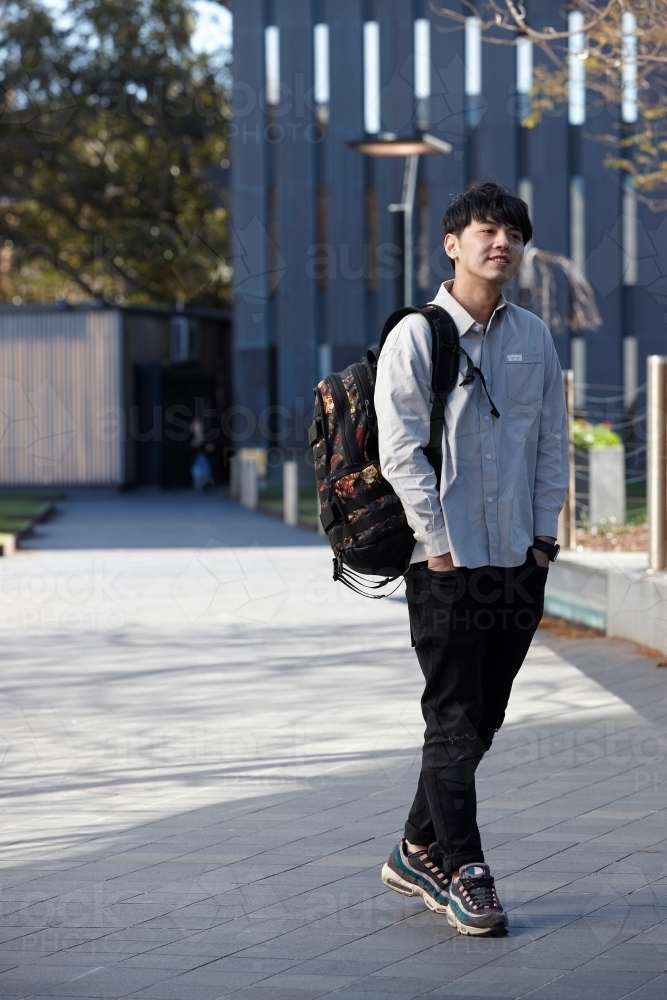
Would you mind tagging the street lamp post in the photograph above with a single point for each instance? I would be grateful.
(385, 145)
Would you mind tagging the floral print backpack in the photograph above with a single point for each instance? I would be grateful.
(361, 514)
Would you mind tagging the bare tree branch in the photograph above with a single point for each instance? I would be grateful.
(612, 44)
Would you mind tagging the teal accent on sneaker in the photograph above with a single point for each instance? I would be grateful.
(417, 875)
(474, 907)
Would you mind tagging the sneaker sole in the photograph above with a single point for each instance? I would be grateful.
(462, 928)
(398, 884)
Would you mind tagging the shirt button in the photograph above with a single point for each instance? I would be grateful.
(486, 416)
(488, 456)
(489, 499)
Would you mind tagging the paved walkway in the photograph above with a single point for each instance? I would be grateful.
(208, 751)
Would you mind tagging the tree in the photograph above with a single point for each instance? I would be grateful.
(113, 143)
(624, 52)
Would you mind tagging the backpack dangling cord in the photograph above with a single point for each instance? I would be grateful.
(470, 377)
(354, 581)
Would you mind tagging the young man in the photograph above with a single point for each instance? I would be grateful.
(484, 536)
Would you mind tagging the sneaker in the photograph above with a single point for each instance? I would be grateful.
(474, 907)
(418, 874)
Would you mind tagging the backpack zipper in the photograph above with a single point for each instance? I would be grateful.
(349, 441)
(350, 469)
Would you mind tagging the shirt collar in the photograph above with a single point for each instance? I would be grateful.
(462, 318)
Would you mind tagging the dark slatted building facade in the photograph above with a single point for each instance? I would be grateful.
(315, 255)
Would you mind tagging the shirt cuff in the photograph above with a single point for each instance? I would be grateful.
(545, 522)
(435, 544)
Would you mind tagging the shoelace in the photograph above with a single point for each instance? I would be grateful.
(435, 869)
(480, 892)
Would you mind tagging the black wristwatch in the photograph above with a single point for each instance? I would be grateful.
(551, 550)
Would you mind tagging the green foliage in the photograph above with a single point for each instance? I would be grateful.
(113, 133)
(594, 435)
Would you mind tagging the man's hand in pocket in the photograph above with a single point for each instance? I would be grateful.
(441, 564)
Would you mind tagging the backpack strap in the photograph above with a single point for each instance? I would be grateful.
(445, 352)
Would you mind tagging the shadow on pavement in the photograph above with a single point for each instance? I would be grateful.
(105, 519)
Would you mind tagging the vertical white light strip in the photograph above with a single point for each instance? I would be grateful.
(473, 48)
(577, 69)
(630, 371)
(372, 77)
(524, 66)
(321, 53)
(422, 42)
(423, 240)
(525, 192)
(324, 362)
(272, 64)
(422, 47)
(629, 233)
(578, 366)
(629, 70)
(578, 222)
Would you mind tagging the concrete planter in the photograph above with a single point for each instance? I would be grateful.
(600, 484)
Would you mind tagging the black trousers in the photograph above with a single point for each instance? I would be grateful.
(471, 630)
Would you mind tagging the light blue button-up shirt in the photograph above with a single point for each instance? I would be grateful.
(503, 479)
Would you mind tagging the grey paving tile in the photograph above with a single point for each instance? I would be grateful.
(162, 959)
(593, 985)
(403, 989)
(172, 990)
(632, 957)
(656, 932)
(653, 990)
(492, 981)
(114, 982)
(277, 993)
(319, 984)
(80, 959)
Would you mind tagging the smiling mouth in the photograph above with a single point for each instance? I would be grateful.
(500, 260)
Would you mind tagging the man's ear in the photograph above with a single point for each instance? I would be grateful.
(451, 246)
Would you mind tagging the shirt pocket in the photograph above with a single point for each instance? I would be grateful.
(525, 377)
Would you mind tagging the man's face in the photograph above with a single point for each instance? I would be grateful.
(490, 251)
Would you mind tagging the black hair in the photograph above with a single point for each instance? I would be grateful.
(487, 201)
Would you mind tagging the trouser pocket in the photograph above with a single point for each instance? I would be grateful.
(432, 596)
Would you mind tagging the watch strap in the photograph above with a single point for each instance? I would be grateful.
(550, 549)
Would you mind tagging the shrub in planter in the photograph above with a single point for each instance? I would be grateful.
(600, 473)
